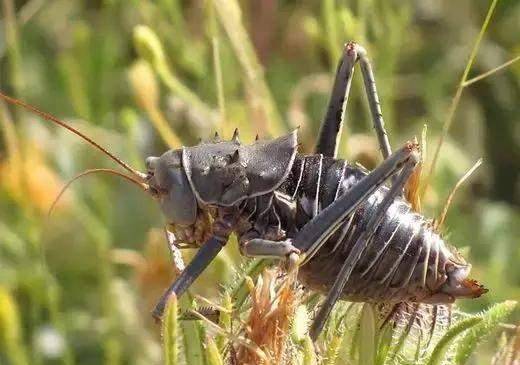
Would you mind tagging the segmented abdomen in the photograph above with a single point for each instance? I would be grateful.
(405, 259)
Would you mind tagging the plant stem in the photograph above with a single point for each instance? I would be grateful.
(456, 99)
(491, 72)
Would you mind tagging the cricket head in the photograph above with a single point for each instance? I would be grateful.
(169, 184)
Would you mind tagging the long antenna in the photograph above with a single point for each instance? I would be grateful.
(55, 120)
(94, 171)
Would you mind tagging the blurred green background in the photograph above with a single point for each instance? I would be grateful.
(143, 76)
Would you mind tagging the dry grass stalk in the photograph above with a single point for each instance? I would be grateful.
(508, 351)
(413, 186)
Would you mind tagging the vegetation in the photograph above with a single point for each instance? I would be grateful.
(76, 287)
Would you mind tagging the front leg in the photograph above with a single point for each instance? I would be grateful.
(202, 259)
(221, 229)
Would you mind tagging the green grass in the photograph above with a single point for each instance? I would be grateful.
(141, 76)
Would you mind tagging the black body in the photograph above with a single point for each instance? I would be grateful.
(404, 249)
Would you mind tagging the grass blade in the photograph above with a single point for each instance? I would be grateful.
(491, 319)
(225, 320)
(150, 48)
(10, 330)
(192, 334)
(240, 291)
(367, 336)
(170, 332)
(491, 72)
(231, 18)
(309, 354)
(456, 99)
(329, 12)
(146, 90)
(212, 353)
(217, 64)
(12, 42)
(444, 344)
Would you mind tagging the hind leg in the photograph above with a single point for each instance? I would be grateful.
(330, 129)
(315, 233)
(361, 245)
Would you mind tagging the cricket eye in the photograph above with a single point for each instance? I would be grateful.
(151, 163)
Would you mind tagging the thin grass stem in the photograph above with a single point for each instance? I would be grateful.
(456, 99)
(217, 66)
(491, 72)
(12, 40)
(231, 19)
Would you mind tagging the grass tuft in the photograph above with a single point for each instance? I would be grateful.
(195, 69)
(491, 319)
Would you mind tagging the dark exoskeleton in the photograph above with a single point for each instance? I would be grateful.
(347, 233)
(351, 236)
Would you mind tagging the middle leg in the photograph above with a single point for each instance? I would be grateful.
(316, 232)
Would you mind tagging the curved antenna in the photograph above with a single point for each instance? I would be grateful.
(94, 171)
(55, 120)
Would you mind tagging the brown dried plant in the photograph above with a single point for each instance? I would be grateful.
(508, 352)
(269, 319)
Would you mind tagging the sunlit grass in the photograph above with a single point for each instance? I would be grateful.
(157, 75)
